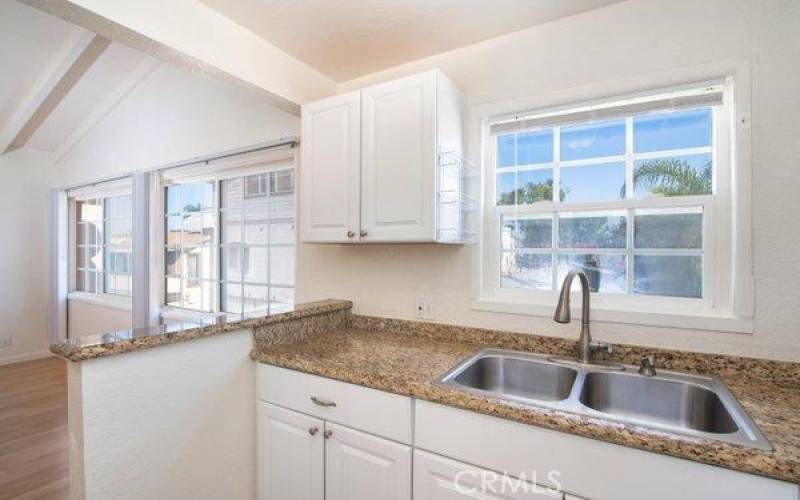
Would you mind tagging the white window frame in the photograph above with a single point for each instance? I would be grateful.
(727, 274)
(100, 190)
(257, 163)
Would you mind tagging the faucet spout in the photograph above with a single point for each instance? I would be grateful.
(562, 314)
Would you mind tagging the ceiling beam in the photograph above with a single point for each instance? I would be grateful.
(132, 80)
(191, 34)
(51, 90)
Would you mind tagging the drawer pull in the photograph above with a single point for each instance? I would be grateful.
(313, 431)
(327, 434)
(322, 402)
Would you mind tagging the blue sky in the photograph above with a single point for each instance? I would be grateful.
(651, 133)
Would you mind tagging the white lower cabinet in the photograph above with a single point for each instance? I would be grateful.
(306, 458)
(291, 455)
(360, 466)
(439, 478)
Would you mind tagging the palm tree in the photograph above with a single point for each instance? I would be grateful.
(672, 177)
(531, 192)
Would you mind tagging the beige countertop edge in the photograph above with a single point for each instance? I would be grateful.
(96, 346)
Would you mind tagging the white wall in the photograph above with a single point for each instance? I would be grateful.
(25, 207)
(174, 422)
(174, 115)
(616, 42)
(86, 318)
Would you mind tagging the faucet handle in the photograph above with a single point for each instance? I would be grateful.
(606, 346)
(647, 365)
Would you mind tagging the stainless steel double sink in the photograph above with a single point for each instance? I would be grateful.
(694, 405)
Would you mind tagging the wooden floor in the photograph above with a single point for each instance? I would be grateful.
(34, 460)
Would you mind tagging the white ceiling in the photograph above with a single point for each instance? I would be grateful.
(345, 39)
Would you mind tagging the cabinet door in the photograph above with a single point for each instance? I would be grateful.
(360, 466)
(329, 169)
(439, 478)
(398, 156)
(291, 456)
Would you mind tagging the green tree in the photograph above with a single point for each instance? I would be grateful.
(531, 193)
(672, 177)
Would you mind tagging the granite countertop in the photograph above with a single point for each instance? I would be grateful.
(95, 346)
(408, 360)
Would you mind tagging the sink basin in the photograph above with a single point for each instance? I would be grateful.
(694, 405)
(652, 400)
(522, 377)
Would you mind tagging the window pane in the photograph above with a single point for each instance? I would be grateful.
(231, 298)
(198, 262)
(253, 185)
(231, 263)
(86, 281)
(118, 207)
(255, 264)
(198, 197)
(233, 197)
(119, 232)
(531, 186)
(95, 258)
(174, 199)
(674, 176)
(255, 299)
(602, 231)
(527, 233)
(90, 210)
(198, 295)
(670, 275)
(676, 130)
(280, 299)
(173, 262)
(174, 229)
(520, 270)
(198, 229)
(281, 206)
(535, 147)
(606, 273)
(671, 230)
(506, 145)
(173, 291)
(256, 233)
(605, 182)
(282, 182)
(593, 140)
(281, 265)
(281, 233)
(231, 227)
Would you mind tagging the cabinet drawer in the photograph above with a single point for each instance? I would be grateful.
(369, 410)
(581, 466)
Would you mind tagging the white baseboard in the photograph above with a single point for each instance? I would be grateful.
(19, 358)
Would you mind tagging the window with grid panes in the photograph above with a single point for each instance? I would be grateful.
(624, 198)
(230, 244)
(103, 245)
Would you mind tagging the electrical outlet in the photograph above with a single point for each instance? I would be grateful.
(424, 309)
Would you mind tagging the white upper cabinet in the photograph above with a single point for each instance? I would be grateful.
(398, 158)
(404, 129)
(329, 174)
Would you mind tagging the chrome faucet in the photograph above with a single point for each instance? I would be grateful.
(562, 315)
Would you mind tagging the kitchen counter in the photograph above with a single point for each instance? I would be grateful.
(406, 357)
(107, 344)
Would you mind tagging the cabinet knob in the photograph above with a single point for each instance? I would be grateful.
(327, 434)
(350, 234)
(363, 233)
(313, 431)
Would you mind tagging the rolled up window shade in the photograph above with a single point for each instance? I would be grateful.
(699, 95)
(104, 189)
(236, 166)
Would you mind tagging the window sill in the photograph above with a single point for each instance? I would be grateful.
(103, 300)
(695, 320)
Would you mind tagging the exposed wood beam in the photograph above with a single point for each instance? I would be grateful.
(52, 90)
(191, 34)
(144, 69)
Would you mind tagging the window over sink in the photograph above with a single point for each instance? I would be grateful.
(636, 191)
